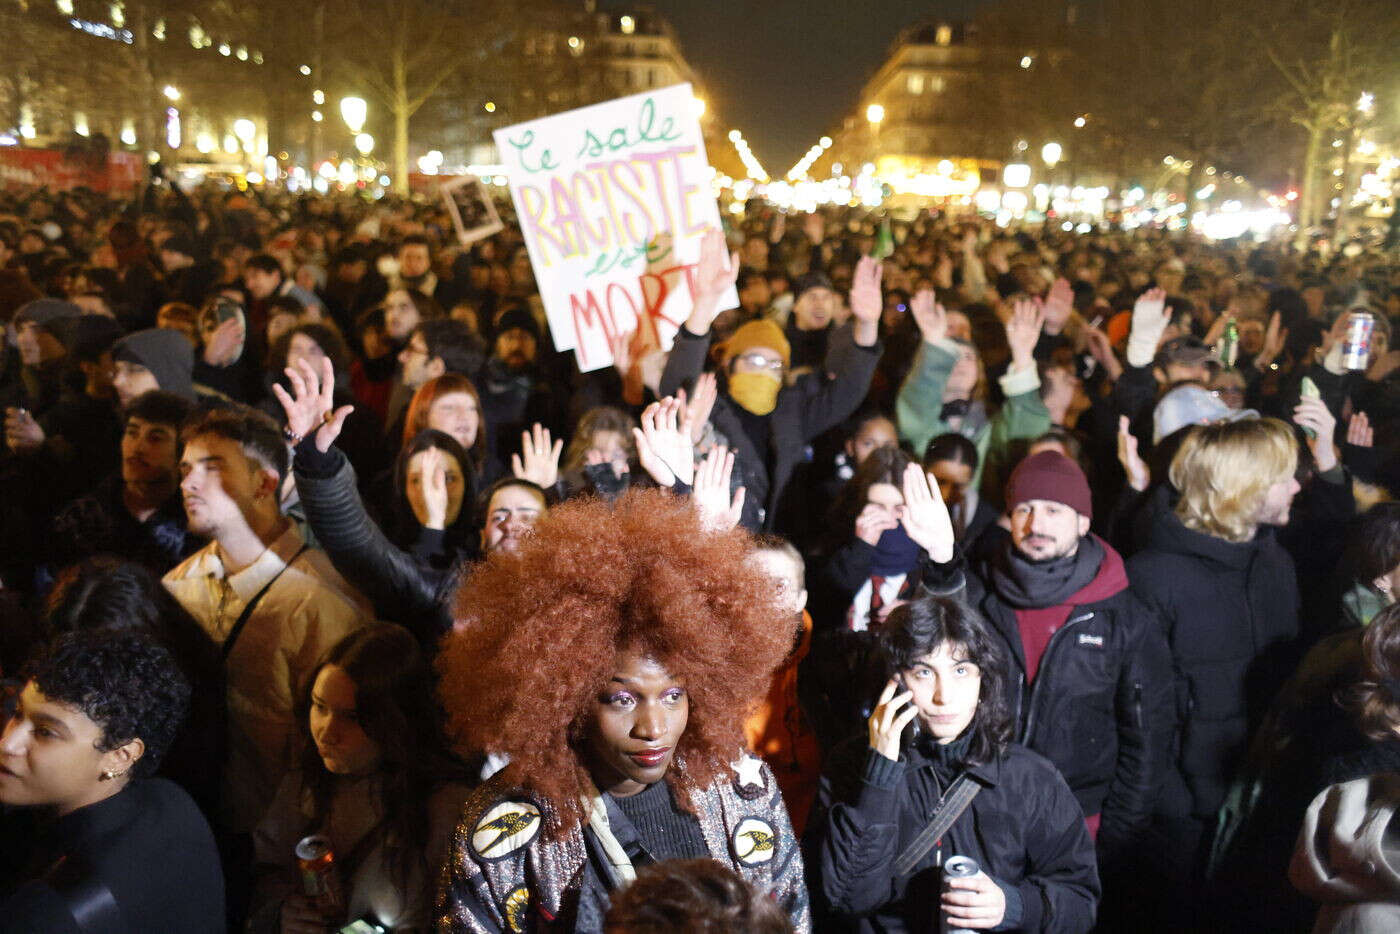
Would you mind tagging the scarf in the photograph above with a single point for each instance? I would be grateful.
(1027, 584)
(895, 553)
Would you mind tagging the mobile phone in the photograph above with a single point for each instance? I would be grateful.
(913, 728)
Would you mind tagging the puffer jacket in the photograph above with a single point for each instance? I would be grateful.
(403, 589)
(1024, 829)
(1100, 705)
(1230, 612)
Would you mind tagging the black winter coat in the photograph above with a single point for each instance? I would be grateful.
(1230, 612)
(1023, 828)
(810, 406)
(403, 589)
(147, 846)
(1101, 705)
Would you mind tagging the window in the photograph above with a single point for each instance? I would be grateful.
(936, 84)
(944, 35)
(916, 84)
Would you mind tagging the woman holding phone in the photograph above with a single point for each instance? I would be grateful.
(939, 755)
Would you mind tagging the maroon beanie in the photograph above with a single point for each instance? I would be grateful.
(1049, 475)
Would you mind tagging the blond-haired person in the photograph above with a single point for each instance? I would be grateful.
(1227, 593)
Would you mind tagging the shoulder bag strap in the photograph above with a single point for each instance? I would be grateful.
(950, 808)
(88, 899)
(252, 604)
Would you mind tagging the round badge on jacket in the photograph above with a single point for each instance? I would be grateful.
(506, 828)
(754, 842)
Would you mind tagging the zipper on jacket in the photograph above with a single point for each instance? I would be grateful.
(1137, 704)
(1041, 668)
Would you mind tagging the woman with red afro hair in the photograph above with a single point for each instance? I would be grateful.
(612, 660)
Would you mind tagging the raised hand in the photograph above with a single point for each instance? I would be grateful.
(866, 302)
(1360, 434)
(891, 715)
(538, 460)
(664, 448)
(1139, 477)
(1275, 336)
(925, 516)
(1150, 319)
(1022, 332)
(931, 317)
(433, 483)
(701, 403)
(1059, 304)
(713, 276)
(310, 406)
(874, 521)
(1314, 415)
(225, 343)
(814, 226)
(719, 511)
(1102, 349)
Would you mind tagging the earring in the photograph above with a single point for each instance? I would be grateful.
(108, 775)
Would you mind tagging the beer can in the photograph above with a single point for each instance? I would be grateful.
(316, 861)
(956, 867)
(1356, 346)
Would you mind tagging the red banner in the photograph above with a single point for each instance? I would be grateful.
(59, 170)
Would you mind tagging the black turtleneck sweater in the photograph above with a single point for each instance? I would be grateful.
(666, 831)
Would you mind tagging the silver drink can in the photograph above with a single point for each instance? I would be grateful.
(1356, 346)
(956, 867)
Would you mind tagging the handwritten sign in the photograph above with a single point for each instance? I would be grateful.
(613, 200)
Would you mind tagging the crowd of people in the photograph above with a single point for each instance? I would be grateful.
(960, 578)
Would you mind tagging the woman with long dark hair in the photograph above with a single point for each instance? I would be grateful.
(938, 777)
(375, 779)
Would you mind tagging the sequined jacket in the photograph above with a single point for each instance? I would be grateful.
(504, 875)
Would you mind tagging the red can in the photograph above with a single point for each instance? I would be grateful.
(320, 880)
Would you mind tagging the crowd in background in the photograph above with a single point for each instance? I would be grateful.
(1080, 548)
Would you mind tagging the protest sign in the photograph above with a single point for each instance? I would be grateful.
(472, 210)
(595, 189)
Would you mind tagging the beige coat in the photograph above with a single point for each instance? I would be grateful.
(1348, 856)
(300, 617)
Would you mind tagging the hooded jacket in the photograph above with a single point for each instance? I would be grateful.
(1099, 702)
(1230, 612)
(166, 353)
(1347, 857)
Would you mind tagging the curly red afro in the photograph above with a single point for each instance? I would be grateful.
(539, 633)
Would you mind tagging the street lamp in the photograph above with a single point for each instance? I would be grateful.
(1051, 153)
(875, 113)
(364, 143)
(354, 110)
(171, 93)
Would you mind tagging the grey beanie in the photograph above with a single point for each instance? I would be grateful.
(167, 353)
(45, 311)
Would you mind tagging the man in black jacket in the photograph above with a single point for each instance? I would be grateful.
(767, 422)
(1092, 684)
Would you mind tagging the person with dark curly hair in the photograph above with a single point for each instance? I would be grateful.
(612, 660)
(939, 755)
(693, 896)
(104, 845)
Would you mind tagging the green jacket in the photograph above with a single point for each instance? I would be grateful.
(920, 404)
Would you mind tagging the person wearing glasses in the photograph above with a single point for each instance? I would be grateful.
(767, 419)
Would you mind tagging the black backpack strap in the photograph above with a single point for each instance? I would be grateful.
(252, 604)
(88, 899)
(950, 808)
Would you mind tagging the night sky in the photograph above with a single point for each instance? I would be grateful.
(786, 71)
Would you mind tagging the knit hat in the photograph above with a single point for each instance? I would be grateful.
(812, 280)
(1187, 350)
(166, 353)
(518, 317)
(44, 312)
(1191, 404)
(1049, 475)
(760, 333)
